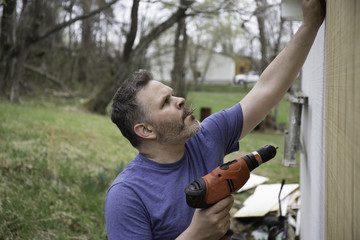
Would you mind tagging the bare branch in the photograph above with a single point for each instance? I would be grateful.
(130, 38)
(62, 25)
(155, 32)
(47, 76)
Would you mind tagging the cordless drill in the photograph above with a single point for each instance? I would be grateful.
(226, 179)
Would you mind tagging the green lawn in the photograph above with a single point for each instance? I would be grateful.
(220, 100)
(56, 164)
(57, 161)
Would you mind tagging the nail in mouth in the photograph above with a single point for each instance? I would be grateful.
(190, 112)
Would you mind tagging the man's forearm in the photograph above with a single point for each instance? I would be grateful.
(277, 77)
(282, 71)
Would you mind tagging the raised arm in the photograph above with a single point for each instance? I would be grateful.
(280, 74)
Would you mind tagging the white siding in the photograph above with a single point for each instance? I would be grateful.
(221, 70)
(312, 180)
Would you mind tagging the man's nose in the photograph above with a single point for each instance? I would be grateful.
(180, 102)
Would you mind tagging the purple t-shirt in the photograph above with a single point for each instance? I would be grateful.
(147, 199)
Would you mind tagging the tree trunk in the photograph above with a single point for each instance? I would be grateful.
(262, 35)
(29, 24)
(263, 43)
(207, 65)
(7, 43)
(19, 70)
(20, 52)
(86, 43)
(178, 72)
(193, 58)
(102, 99)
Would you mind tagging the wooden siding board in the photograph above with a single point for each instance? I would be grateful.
(356, 118)
(342, 121)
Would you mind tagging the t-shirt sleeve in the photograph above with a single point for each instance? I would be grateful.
(225, 128)
(125, 215)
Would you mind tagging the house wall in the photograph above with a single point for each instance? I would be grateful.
(220, 71)
(312, 169)
(330, 165)
(342, 126)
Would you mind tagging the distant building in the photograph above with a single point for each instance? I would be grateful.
(242, 64)
(221, 69)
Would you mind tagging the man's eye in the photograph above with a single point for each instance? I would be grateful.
(166, 101)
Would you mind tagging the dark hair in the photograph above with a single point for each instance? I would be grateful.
(125, 110)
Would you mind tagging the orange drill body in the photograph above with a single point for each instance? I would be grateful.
(226, 179)
(220, 183)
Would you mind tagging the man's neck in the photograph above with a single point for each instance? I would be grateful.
(162, 153)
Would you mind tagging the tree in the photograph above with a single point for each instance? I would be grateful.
(86, 41)
(30, 29)
(132, 54)
(7, 41)
(214, 33)
(271, 31)
(199, 73)
(262, 35)
(178, 72)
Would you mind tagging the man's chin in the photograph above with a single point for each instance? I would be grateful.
(195, 127)
(190, 117)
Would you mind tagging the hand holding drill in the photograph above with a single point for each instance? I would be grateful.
(218, 185)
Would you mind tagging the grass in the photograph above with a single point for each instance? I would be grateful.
(57, 161)
(56, 164)
(216, 99)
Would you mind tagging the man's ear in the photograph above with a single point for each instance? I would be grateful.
(144, 130)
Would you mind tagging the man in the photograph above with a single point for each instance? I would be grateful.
(147, 200)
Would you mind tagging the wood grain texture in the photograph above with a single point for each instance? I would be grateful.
(342, 115)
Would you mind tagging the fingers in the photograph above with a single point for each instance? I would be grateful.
(213, 221)
(226, 221)
(223, 205)
(313, 11)
(323, 7)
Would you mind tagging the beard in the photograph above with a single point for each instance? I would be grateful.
(174, 132)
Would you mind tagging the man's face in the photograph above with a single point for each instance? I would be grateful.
(172, 121)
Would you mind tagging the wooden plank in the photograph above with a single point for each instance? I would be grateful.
(342, 121)
(355, 119)
(264, 200)
(254, 180)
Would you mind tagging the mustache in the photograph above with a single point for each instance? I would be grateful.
(188, 111)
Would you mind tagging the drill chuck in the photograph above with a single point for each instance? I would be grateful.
(260, 156)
